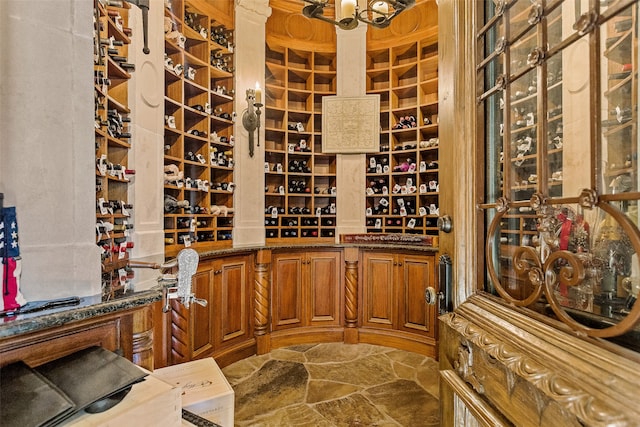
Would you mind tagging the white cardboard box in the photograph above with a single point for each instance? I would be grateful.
(150, 403)
(205, 390)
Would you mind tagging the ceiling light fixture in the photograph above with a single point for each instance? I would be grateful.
(378, 14)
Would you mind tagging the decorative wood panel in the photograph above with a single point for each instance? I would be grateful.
(287, 291)
(417, 276)
(378, 290)
(201, 321)
(324, 286)
(233, 310)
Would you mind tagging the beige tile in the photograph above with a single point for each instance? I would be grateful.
(353, 410)
(319, 391)
(291, 416)
(335, 384)
(367, 371)
(242, 369)
(406, 402)
(277, 384)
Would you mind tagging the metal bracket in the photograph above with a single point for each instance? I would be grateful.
(144, 7)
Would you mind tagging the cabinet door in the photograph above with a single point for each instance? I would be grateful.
(323, 272)
(416, 274)
(287, 292)
(231, 306)
(378, 296)
(201, 319)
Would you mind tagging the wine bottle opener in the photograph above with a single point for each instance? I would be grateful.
(187, 262)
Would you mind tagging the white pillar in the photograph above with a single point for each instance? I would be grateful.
(47, 154)
(251, 17)
(146, 101)
(351, 168)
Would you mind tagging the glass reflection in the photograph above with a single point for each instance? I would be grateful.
(619, 105)
(558, 139)
(522, 165)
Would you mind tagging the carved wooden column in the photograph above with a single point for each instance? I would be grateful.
(143, 338)
(351, 295)
(262, 301)
(180, 352)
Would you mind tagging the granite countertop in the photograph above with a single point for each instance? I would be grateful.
(89, 307)
(388, 247)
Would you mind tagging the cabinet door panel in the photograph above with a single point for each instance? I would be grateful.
(378, 296)
(202, 321)
(324, 287)
(287, 291)
(233, 310)
(417, 275)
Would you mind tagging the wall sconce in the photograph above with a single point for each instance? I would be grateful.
(144, 7)
(251, 116)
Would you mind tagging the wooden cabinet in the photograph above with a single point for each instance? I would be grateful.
(307, 289)
(112, 142)
(300, 180)
(126, 330)
(198, 133)
(378, 290)
(393, 289)
(293, 296)
(226, 322)
(402, 178)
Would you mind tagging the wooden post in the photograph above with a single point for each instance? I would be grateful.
(262, 301)
(351, 295)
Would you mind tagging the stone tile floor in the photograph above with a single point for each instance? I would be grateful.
(335, 384)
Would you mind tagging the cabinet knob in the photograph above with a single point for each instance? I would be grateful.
(400, 264)
(217, 271)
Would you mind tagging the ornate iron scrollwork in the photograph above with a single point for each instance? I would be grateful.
(535, 14)
(552, 271)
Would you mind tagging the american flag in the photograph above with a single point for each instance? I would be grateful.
(10, 260)
(9, 233)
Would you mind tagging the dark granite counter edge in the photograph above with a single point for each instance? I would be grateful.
(387, 247)
(89, 307)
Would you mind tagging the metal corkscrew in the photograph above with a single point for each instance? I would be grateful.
(187, 261)
(177, 286)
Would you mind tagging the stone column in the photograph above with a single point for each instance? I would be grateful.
(146, 101)
(350, 179)
(47, 154)
(251, 17)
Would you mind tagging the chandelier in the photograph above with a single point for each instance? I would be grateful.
(379, 13)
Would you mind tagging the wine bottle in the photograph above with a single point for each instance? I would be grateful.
(171, 204)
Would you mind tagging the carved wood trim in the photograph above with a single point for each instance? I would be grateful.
(142, 337)
(595, 386)
(262, 290)
(179, 333)
(475, 410)
(351, 294)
